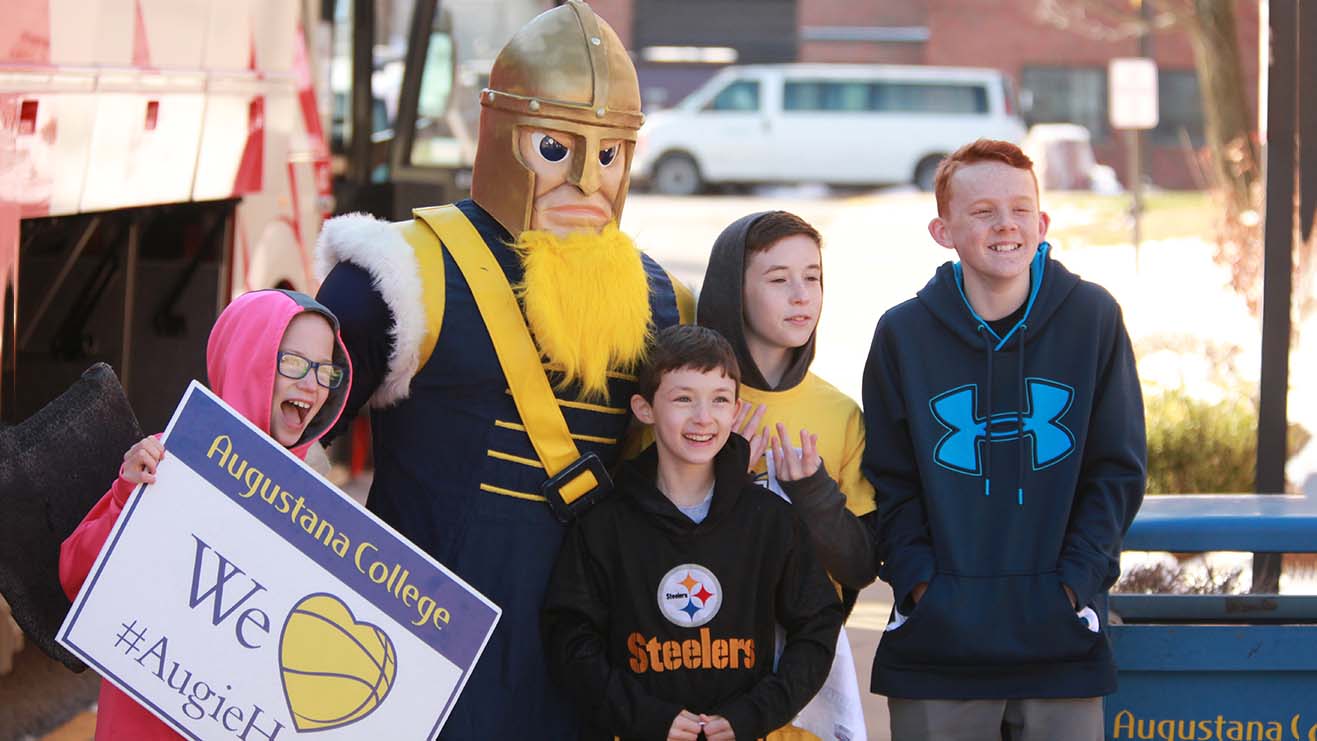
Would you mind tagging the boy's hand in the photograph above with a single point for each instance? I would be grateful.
(793, 466)
(917, 593)
(140, 462)
(685, 727)
(1070, 593)
(716, 728)
(749, 426)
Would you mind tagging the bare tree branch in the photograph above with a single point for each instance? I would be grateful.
(1104, 20)
(1231, 151)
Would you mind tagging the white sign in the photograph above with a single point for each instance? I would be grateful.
(242, 595)
(1132, 93)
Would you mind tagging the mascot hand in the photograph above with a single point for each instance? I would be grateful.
(140, 461)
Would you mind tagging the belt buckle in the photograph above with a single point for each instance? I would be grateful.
(552, 488)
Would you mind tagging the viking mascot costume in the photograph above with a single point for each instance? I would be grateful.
(496, 339)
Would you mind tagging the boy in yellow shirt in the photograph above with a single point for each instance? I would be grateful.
(763, 291)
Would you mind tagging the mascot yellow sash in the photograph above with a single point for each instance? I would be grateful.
(517, 355)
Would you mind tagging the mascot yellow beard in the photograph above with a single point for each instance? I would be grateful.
(586, 298)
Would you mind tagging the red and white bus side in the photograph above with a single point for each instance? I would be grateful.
(157, 157)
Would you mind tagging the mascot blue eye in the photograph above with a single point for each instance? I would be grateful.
(551, 149)
(606, 156)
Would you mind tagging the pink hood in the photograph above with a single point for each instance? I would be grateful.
(242, 353)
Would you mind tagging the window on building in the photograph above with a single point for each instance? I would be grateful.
(760, 31)
(740, 96)
(1067, 95)
(1180, 108)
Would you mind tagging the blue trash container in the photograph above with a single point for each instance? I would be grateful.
(1217, 667)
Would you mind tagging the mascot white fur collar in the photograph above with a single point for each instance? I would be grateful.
(378, 248)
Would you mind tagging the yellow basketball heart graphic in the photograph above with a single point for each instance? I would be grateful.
(335, 670)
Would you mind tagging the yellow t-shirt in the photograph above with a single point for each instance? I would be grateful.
(825, 411)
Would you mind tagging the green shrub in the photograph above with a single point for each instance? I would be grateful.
(1197, 447)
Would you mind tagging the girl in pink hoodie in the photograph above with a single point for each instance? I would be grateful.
(274, 356)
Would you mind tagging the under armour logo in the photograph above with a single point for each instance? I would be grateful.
(1046, 402)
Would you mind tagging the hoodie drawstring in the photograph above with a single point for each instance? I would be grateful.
(1019, 424)
(987, 414)
(1019, 417)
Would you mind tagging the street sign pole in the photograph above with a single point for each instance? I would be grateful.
(1132, 104)
(1134, 146)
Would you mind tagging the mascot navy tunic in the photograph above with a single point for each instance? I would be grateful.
(454, 470)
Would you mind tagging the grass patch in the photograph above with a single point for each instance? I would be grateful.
(1086, 219)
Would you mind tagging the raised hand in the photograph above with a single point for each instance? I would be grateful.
(140, 462)
(790, 465)
(749, 426)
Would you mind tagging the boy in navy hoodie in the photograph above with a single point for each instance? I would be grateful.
(1006, 443)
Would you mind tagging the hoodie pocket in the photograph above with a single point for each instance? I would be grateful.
(991, 621)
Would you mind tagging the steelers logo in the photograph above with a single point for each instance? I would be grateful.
(689, 595)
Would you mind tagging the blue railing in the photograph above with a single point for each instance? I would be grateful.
(1211, 667)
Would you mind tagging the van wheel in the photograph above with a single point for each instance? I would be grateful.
(926, 170)
(677, 175)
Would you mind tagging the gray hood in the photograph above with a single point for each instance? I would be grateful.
(720, 307)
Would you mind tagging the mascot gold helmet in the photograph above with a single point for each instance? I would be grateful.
(564, 71)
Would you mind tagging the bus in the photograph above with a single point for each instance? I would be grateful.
(160, 157)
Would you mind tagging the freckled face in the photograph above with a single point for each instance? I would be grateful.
(992, 221)
(564, 200)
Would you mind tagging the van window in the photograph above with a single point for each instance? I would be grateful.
(742, 95)
(826, 96)
(903, 97)
(884, 97)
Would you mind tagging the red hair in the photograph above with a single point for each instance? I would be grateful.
(981, 150)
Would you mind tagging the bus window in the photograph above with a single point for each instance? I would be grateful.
(436, 144)
(383, 98)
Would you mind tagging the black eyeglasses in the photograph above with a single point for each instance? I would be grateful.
(294, 366)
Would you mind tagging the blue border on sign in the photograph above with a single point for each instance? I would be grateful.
(87, 587)
(476, 614)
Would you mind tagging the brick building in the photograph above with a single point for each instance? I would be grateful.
(1054, 50)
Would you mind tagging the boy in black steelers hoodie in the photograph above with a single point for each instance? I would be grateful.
(661, 610)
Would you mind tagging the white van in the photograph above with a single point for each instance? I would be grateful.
(827, 123)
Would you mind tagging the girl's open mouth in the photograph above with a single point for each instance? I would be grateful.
(294, 412)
